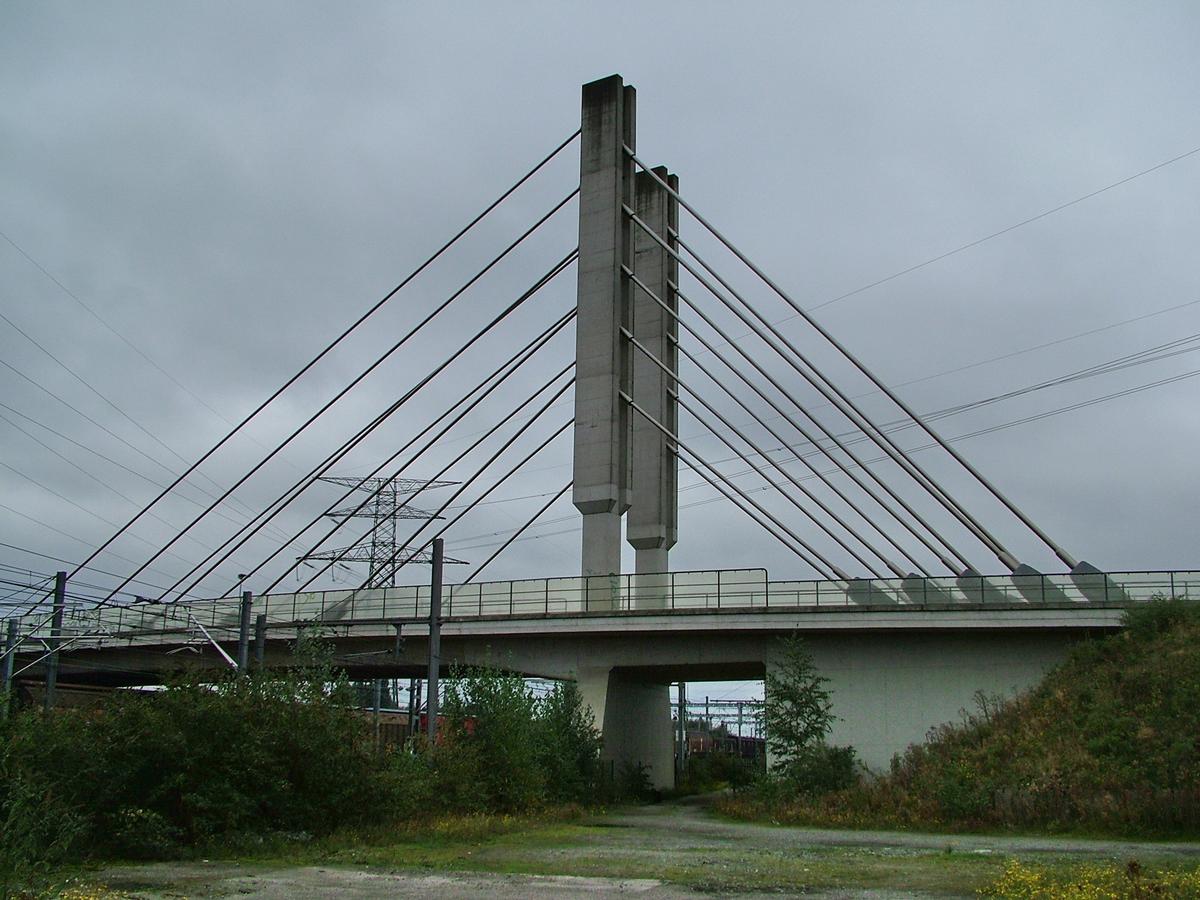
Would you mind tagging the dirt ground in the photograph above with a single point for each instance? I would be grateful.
(655, 853)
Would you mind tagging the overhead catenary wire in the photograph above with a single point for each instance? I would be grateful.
(293, 492)
(337, 340)
(59, 559)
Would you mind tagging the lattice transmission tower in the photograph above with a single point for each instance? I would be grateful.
(389, 502)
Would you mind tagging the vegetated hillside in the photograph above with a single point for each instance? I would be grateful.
(1109, 741)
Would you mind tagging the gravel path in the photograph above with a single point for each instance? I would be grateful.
(679, 841)
(687, 824)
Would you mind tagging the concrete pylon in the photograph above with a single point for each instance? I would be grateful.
(634, 718)
(601, 457)
(651, 526)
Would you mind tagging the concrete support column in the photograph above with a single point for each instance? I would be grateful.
(652, 524)
(634, 718)
(601, 453)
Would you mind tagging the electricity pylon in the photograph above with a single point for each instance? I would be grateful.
(389, 502)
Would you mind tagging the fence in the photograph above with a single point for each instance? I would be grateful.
(381, 608)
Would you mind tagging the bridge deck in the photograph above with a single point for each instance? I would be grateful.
(378, 610)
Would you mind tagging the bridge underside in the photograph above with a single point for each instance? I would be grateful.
(894, 672)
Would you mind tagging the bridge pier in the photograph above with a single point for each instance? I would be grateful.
(634, 718)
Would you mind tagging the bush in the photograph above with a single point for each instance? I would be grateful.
(503, 749)
(714, 771)
(1149, 620)
(568, 745)
(798, 716)
(149, 774)
(1106, 743)
(820, 769)
(149, 771)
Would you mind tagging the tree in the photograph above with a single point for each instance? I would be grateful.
(798, 716)
(797, 711)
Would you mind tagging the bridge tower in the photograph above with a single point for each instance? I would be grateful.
(623, 463)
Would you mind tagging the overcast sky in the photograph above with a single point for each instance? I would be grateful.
(203, 195)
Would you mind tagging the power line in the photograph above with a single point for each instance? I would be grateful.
(93, 476)
(91, 387)
(467, 482)
(820, 564)
(469, 401)
(517, 534)
(990, 540)
(1011, 423)
(59, 559)
(847, 469)
(831, 485)
(108, 459)
(373, 366)
(804, 367)
(864, 464)
(1157, 353)
(503, 420)
(996, 234)
(68, 500)
(680, 384)
(72, 537)
(336, 341)
(503, 478)
(104, 428)
(124, 338)
(531, 348)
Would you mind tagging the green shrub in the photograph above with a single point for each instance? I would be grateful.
(503, 749)
(148, 774)
(713, 771)
(798, 716)
(1107, 742)
(567, 745)
(820, 769)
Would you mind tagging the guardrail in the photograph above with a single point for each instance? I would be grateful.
(675, 591)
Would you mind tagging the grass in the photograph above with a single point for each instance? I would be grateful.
(568, 842)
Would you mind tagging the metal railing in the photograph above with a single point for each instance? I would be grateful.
(379, 609)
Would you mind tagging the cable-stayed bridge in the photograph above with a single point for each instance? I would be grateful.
(669, 330)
